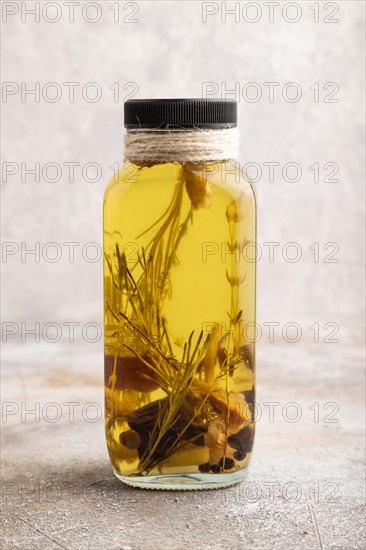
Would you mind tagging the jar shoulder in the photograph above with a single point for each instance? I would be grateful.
(227, 176)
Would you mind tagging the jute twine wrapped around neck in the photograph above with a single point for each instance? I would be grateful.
(198, 145)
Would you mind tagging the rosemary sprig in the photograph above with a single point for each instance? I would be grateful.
(182, 385)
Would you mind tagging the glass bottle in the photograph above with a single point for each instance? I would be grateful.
(179, 295)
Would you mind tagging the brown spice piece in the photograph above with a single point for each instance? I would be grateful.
(242, 440)
(197, 186)
(130, 439)
(131, 373)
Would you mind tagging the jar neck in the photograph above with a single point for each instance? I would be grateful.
(146, 146)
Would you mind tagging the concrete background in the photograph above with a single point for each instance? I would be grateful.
(170, 52)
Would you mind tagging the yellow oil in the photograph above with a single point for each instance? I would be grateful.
(179, 289)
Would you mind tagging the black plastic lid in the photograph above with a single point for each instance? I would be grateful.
(180, 113)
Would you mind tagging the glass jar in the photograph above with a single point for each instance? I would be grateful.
(179, 289)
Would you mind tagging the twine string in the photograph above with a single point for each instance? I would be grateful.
(198, 145)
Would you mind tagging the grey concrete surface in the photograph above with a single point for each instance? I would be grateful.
(305, 488)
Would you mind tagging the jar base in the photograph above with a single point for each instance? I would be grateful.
(184, 482)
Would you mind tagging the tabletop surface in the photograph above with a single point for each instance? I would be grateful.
(304, 489)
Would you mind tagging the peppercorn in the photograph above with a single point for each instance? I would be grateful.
(204, 468)
(226, 463)
(240, 455)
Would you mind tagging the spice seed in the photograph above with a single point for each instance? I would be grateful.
(240, 455)
(226, 463)
(204, 467)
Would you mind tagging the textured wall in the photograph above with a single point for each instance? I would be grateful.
(171, 52)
